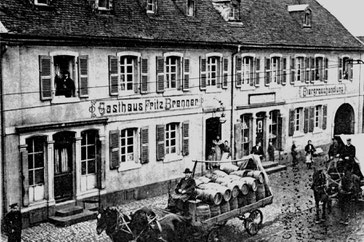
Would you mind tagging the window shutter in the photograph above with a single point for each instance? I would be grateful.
(219, 73)
(257, 72)
(307, 69)
(185, 137)
(350, 71)
(306, 120)
(311, 119)
(291, 122)
(45, 77)
(340, 69)
(186, 75)
(326, 69)
(279, 133)
(238, 66)
(252, 71)
(137, 74)
(83, 75)
(160, 142)
(279, 70)
(113, 76)
(284, 71)
(324, 117)
(160, 74)
(202, 74)
(114, 149)
(144, 145)
(267, 71)
(225, 73)
(312, 70)
(144, 76)
(237, 140)
(293, 71)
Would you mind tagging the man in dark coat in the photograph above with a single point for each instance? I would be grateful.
(270, 151)
(349, 151)
(294, 154)
(258, 150)
(334, 149)
(12, 224)
(69, 84)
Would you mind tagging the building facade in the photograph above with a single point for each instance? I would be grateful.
(153, 83)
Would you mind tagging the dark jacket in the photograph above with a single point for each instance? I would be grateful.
(70, 87)
(12, 224)
(333, 150)
(187, 185)
(348, 150)
(257, 150)
(271, 151)
(310, 149)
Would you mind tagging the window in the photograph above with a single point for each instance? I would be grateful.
(41, 2)
(67, 78)
(151, 6)
(190, 7)
(88, 159)
(128, 145)
(318, 116)
(345, 69)
(36, 158)
(128, 74)
(247, 71)
(276, 69)
(213, 72)
(173, 71)
(171, 138)
(246, 134)
(300, 69)
(307, 18)
(104, 4)
(298, 119)
(234, 12)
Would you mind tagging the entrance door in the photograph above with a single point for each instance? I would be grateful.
(344, 120)
(260, 128)
(63, 166)
(213, 129)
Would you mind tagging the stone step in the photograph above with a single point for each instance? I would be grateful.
(73, 219)
(269, 164)
(69, 211)
(275, 169)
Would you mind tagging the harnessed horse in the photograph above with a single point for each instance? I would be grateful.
(320, 187)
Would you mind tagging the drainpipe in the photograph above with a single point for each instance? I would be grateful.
(2, 119)
(232, 102)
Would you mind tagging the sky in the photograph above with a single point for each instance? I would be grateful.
(349, 12)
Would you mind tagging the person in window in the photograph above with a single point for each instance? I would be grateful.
(270, 151)
(310, 150)
(226, 150)
(58, 80)
(258, 150)
(69, 85)
(12, 223)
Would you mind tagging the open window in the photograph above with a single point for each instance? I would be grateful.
(307, 18)
(190, 7)
(345, 68)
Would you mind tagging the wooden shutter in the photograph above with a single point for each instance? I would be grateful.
(350, 70)
(267, 76)
(160, 74)
(113, 75)
(252, 71)
(340, 71)
(312, 70)
(186, 75)
(284, 71)
(225, 73)
(202, 74)
(291, 127)
(324, 117)
(293, 71)
(185, 137)
(237, 140)
(238, 66)
(83, 75)
(257, 72)
(219, 73)
(160, 133)
(306, 70)
(279, 132)
(45, 77)
(311, 125)
(326, 69)
(114, 143)
(279, 70)
(306, 120)
(144, 76)
(144, 145)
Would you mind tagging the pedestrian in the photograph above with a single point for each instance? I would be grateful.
(12, 223)
(294, 154)
(270, 151)
(334, 149)
(217, 143)
(226, 150)
(310, 150)
(258, 150)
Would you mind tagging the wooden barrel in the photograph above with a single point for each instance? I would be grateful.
(222, 180)
(203, 212)
(209, 196)
(224, 207)
(260, 193)
(219, 173)
(202, 180)
(251, 197)
(233, 177)
(228, 168)
(242, 200)
(252, 183)
(234, 204)
(215, 210)
(257, 175)
(234, 187)
(226, 192)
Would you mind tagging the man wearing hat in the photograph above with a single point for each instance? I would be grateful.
(12, 223)
(185, 190)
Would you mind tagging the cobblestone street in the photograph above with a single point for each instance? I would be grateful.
(289, 218)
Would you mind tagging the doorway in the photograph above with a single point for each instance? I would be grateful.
(344, 120)
(213, 129)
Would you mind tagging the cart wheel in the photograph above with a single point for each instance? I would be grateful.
(256, 216)
(213, 236)
(251, 227)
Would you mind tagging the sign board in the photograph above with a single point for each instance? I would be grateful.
(322, 90)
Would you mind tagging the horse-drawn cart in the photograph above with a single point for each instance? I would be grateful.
(248, 212)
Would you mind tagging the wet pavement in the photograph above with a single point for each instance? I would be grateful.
(291, 217)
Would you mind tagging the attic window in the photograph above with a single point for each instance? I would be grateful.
(307, 19)
(41, 2)
(190, 7)
(151, 6)
(234, 12)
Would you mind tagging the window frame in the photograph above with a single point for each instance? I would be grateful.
(107, 7)
(176, 138)
(177, 73)
(307, 18)
(130, 164)
(151, 6)
(299, 76)
(318, 117)
(247, 73)
(136, 56)
(190, 8)
(36, 2)
(298, 120)
(319, 68)
(219, 72)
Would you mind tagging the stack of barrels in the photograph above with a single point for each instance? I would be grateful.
(228, 189)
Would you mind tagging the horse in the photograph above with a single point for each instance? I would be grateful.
(320, 191)
(115, 223)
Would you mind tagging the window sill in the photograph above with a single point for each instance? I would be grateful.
(298, 134)
(247, 88)
(37, 204)
(213, 90)
(317, 131)
(62, 99)
(129, 166)
(172, 92)
(172, 158)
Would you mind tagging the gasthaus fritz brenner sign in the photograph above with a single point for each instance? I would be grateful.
(134, 106)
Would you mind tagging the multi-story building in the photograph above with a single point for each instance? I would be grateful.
(155, 81)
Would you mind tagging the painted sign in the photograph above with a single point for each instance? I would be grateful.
(134, 106)
(262, 98)
(322, 90)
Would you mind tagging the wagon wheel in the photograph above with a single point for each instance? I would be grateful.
(251, 227)
(213, 236)
(257, 217)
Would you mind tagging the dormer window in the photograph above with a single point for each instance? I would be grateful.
(307, 18)
(190, 7)
(234, 12)
(104, 4)
(41, 2)
(151, 6)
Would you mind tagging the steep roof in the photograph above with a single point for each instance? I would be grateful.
(264, 22)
